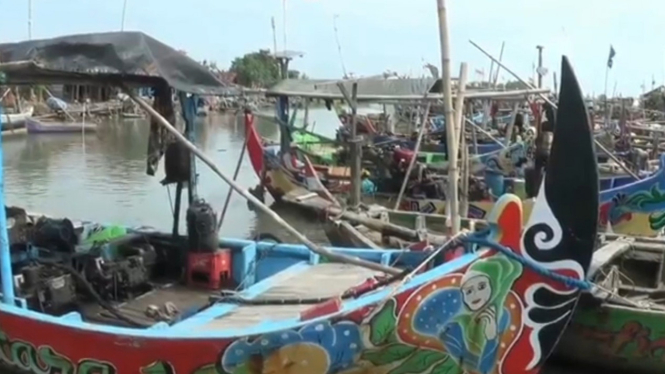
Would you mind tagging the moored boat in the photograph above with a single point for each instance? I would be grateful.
(44, 126)
(17, 120)
(94, 298)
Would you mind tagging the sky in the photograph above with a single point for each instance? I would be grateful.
(380, 35)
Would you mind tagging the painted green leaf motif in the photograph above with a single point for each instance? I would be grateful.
(390, 353)
(657, 221)
(95, 367)
(208, 369)
(419, 362)
(448, 366)
(382, 325)
(54, 361)
(640, 199)
(158, 367)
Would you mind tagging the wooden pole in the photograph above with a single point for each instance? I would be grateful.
(452, 202)
(545, 98)
(459, 103)
(461, 139)
(511, 126)
(354, 144)
(412, 162)
(235, 177)
(262, 207)
(498, 68)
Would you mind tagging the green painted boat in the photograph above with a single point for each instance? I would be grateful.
(324, 150)
(620, 326)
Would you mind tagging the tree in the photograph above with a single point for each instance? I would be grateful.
(513, 85)
(294, 74)
(256, 69)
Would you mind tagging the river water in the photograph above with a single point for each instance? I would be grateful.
(102, 177)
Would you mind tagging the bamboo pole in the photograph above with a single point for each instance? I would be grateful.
(461, 140)
(235, 177)
(459, 103)
(542, 96)
(412, 162)
(303, 239)
(452, 202)
(464, 199)
(511, 126)
(498, 68)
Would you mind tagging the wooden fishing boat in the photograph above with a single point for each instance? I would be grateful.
(16, 121)
(50, 126)
(618, 325)
(129, 115)
(293, 309)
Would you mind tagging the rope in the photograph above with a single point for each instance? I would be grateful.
(429, 258)
(568, 281)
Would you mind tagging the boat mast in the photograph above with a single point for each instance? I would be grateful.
(124, 11)
(274, 36)
(29, 19)
(284, 22)
(452, 198)
(339, 46)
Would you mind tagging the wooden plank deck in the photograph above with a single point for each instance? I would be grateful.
(318, 281)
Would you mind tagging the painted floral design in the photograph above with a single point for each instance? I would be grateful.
(319, 348)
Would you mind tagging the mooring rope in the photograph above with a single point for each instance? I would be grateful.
(568, 281)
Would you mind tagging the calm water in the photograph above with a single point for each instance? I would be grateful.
(102, 176)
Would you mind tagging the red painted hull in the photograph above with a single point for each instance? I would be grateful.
(118, 354)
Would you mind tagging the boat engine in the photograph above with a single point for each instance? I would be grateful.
(47, 289)
(124, 278)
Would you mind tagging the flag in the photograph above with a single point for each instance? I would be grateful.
(611, 58)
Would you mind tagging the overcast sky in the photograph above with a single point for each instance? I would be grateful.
(379, 35)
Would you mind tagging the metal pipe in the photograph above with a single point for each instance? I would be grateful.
(598, 144)
(5, 255)
(262, 207)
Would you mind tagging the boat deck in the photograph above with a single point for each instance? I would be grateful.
(307, 199)
(186, 300)
(305, 282)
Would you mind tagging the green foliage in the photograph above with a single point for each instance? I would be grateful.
(294, 74)
(256, 69)
(512, 85)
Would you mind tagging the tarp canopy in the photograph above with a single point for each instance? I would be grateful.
(384, 90)
(367, 88)
(131, 58)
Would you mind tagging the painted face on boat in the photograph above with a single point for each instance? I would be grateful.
(476, 292)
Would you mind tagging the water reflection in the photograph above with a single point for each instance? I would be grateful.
(102, 176)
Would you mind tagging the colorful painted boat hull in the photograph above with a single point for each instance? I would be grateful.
(379, 332)
(615, 338)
